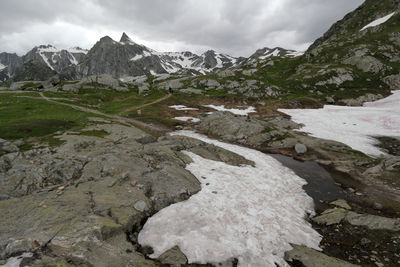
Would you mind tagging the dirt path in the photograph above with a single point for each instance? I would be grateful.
(150, 127)
(145, 105)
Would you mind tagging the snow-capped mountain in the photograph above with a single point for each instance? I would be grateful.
(127, 58)
(122, 59)
(266, 53)
(59, 59)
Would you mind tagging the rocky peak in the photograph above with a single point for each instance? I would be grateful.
(125, 39)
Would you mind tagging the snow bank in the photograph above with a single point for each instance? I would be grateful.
(353, 126)
(249, 213)
(378, 21)
(182, 107)
(16, 261)
(242, 112)
(192, 119)
(2, 66)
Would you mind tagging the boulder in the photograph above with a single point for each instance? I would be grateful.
(365, 63)
(300, 148)
(209, 83)
(191, 91)
(393, 81)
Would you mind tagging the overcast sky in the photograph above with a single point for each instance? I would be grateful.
(235, 27)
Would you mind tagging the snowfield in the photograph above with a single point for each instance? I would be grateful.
(353, 126)
(182, 107)
(191, 119)
(378, 21)
(249, 213)
(2, 66)
(242, 112)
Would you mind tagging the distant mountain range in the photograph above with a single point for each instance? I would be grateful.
(120, 59)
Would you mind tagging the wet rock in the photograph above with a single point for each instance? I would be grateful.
(300, 148)
(311, 258)
(377, 206)
(373, 222)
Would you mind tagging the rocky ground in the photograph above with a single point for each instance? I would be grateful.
(84, 203)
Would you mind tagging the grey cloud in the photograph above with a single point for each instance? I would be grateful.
(231, 26)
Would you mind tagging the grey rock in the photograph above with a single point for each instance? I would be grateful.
(312, 258)
(393, 81)
(366, 63)
(140, 206)
(362, 99)
(249, 72)
(173, 257)
(330, 100)
(377, 206)
(300, 148)
(191, 91)
(209, 83)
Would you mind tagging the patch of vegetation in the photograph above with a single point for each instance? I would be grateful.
(21, 118)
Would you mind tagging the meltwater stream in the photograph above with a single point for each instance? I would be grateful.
(249, 213)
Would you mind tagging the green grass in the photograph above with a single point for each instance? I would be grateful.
(25, 117)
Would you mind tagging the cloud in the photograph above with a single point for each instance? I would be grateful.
(234, 27)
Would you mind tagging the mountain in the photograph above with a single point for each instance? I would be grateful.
(266, 53)
(121, 59)
(42, 62)
(126, 58)
(6, 59)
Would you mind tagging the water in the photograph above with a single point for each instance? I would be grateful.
(321, 186)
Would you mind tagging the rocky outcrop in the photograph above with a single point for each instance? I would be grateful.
(85, 202)
(365, 63)
(393, 81)
(311, 258)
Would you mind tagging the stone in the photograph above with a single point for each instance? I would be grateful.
(312, 258)
(330, 100)
(332, 216)
(341, 203)
(140, 206)
(191, 91)
(377, 206)
(393, 81)
(364, 241)
(173, 257)
(300, 148)
(365, 63)
(209, 83)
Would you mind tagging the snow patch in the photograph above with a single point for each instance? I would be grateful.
(242, 112)
(16, 261)
(378, 21)
(182, 107)
(191, 119)
(2, 67)
(353, 126)
(249, 213)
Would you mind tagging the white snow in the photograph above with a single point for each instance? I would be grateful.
(242, 112)
(46, 60)
(191, 119)
(182, 107)
(2, 67)
(295, 54)
(249, 213)
(77, 50)
(140, 56)
(353, 126)
(16, 261)
(378, 21)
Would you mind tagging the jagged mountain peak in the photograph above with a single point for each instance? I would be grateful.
(125, 38)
